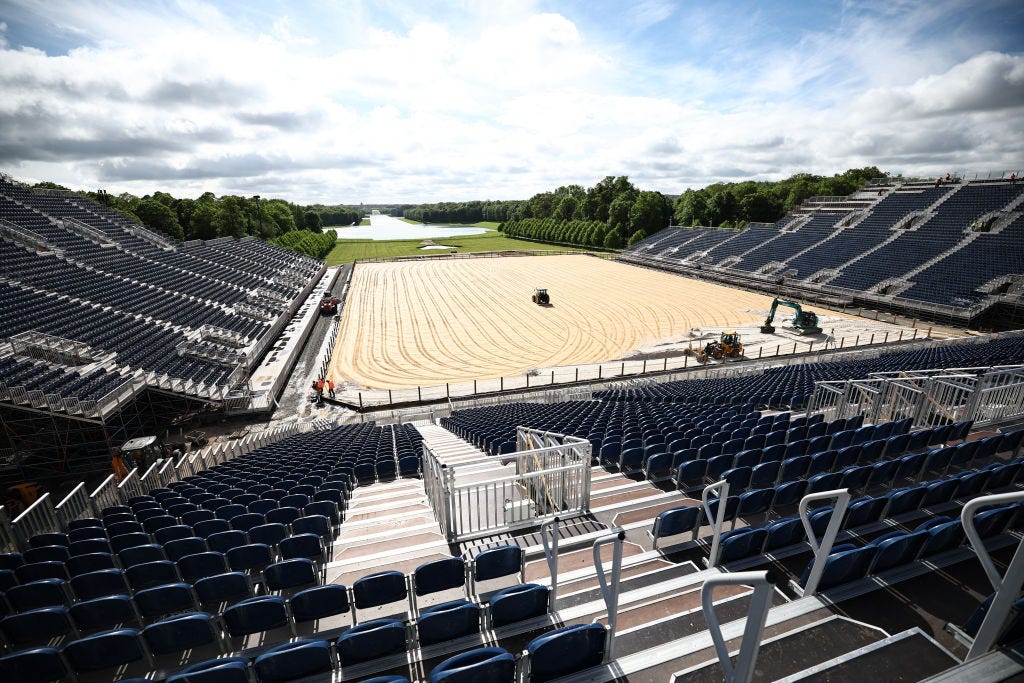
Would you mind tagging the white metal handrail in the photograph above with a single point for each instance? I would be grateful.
(610, 586)
(717, 520)
(824, 547)
(763, 583)
(1006, 586)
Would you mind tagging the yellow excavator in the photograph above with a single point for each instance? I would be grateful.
(728, 345)
(805, 322)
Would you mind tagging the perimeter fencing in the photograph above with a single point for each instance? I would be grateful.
(45, 516)
(597, 375)
(928, 397)
(548, 477)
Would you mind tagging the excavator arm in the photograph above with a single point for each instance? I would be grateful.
(806, 322)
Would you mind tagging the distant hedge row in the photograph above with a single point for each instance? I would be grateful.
(312, 244)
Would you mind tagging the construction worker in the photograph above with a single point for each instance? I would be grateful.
(319, 389)
(330, 387)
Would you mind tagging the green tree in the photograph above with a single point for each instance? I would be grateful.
(311, 221)
(651, 211)
(637, 236)
(618, 214)
(566, 208)
(159, 217)
(203, 224)
(230, 219)
(613, 239)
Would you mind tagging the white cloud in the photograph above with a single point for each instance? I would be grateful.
(500, 101)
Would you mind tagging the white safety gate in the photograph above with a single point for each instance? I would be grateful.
(548, 476)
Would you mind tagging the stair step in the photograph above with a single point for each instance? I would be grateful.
(907, 656)
(794, 651)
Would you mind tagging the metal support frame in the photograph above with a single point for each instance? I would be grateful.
(552, 479)
(722, 487)
(549, 538)
(610, 588)
(929, 397)
(1007, 587)
(822, 549)
(761, 601)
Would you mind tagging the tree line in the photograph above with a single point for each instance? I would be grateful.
(626, 214)
(210, 216)
(462, 212)
(339, 214)
(736, 204)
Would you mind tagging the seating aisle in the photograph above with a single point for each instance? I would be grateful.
(389, 524)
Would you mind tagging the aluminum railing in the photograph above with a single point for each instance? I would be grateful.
(43, 516)
(38, 518)
(536, 486)
(927, 398)
(1006, 585)
(757, 615)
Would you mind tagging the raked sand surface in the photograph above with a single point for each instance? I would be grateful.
(453, 320)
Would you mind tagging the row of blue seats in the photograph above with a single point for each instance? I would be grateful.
(849, 562)
(861, 511)
(773, 446)
(563, 651)
(874, 462)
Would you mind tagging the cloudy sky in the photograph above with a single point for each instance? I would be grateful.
(387, 101)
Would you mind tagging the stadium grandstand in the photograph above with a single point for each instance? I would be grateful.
(945, 251)
(855, 514)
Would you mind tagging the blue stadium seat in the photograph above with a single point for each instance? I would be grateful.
(320, 602)
(166, 599)
(37, 626)
(900, 548)
(181, 632)
(44, 593)
(254, 557)
(291, 661)
(842, 567)
(99, 583)
(196, 566)
(448, 621)
(439, 576)
(220, 542)
(755, 502)
(380, 589)
(223, 588)
(566, 650)
(904, 500)
(149, 574)
(491, 664)
(183, 547)
(371, 640)
(90, 562)
(111, 611)
(741, 543)
(105, 650)
(255, 615)
(516, 603)
(34, 665)
(225, 670)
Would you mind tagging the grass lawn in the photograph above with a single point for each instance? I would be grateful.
(346, 251)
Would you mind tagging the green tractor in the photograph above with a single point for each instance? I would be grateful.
(805, 322)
